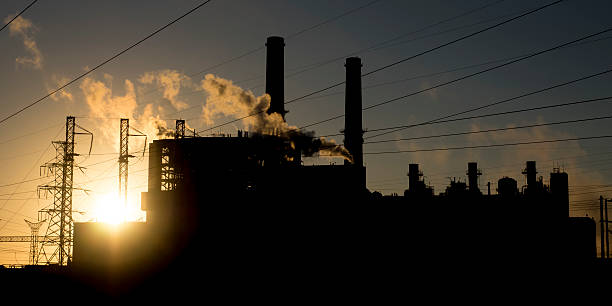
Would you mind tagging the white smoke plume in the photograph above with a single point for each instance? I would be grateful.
(23, 28)
(226, 99)
(170, 81)
(57, 81)
(107, 108)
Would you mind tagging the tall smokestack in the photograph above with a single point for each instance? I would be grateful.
(530, 172)
(275, 74)
(473, 174)
(414, 176)
(353, 133)
(559, 188)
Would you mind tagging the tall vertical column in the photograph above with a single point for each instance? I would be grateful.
(124, 129)
(530, 172)
(353, 132)
(606, 229)
(473, 174)
(275, 74)
(602, 247)
(180, 129)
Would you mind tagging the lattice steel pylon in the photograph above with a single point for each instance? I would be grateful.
(57, 247)
(34, 227)
(124, 155)
(180, 129)
(124, 129)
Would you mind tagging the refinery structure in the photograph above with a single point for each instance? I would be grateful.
(246, 204)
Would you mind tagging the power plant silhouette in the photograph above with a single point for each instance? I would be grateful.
(244, 211)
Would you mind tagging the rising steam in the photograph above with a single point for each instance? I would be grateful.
(24, 29)
(227, 99)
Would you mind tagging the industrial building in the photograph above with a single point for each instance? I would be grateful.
(244, 211)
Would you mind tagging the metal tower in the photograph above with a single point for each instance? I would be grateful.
(57, 248)
(124, 155)
(34, 227)
(180, 129)
(124, 129)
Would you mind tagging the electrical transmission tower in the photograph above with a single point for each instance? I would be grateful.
(124, 155)
(57, 247)
(180, 129)
(34, 227)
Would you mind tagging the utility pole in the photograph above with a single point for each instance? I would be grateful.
(57, 247)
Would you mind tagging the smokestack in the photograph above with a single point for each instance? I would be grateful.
(353, 133)
(275, 74)
(559, 188)
(530, 172)
(413, 176)
(473, 174)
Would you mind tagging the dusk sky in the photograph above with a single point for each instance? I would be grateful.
(160, 80)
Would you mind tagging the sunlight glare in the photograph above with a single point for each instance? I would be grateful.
(110, 209)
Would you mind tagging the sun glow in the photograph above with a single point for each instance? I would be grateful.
(110, 209)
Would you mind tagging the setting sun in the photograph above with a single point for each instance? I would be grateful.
(110, 209)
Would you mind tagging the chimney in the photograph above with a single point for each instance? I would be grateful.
(275, 74)
(353, 133)
(473, 174)
(414, 176)
(559, 188)
(530, 172)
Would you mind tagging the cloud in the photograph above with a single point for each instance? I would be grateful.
(23, 28)
(170, 81)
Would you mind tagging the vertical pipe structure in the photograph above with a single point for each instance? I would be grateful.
(601, 227)
(559, 189)
(473, 174)
(530, 172)
(353, 132)
(413, 176)
(124, 129)
(606, 228)
(275, 74)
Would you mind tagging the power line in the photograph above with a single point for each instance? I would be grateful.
(27, 174)
(393, 64)
(290, 36)
(489, 145)
(465, 37)
(466, 77)
(262, 47)
(17, 16)
(106, 61)
(26, 181)
(332, 19)
(493, 130)
(381, 45)
(492, 114)
(365, 88)
(403, 80)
